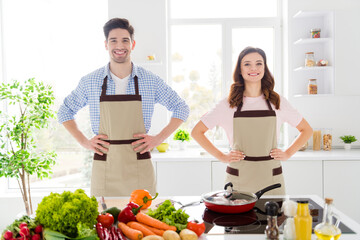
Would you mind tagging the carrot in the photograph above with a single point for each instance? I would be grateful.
(130, 233)
(146, 219)
(141, 228)
(154, 230)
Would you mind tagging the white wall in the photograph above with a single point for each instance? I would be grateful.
(340, 112)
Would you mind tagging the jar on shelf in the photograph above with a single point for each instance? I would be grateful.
(317, 139)
(309, 59)
(312, 86)
(327, 139)
(315, 33)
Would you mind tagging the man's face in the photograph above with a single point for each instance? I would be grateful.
(119, 45)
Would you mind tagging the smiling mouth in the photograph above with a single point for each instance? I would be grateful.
(120, 52)
(253, 74)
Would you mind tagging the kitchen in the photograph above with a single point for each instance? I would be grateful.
(322, 168)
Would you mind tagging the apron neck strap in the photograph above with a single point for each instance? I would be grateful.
(104, 86)
(267, 102)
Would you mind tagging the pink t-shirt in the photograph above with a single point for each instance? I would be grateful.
(222, 115)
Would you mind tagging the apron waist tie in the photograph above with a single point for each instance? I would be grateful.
(263, 158)
(126, 141)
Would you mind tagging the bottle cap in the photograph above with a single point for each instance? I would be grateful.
(271, 208)
(302, 201)
(328, 200)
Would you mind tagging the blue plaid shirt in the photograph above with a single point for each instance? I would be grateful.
(151, 87)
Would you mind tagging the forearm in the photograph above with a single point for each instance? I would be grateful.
(170, 128)
(198, 133)
(73, 129)
(305, 134)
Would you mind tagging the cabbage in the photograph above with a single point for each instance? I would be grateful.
(63, 212)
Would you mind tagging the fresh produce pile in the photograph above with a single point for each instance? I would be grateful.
(23, 228)
(75, 216)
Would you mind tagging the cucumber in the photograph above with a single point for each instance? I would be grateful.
(113, 211)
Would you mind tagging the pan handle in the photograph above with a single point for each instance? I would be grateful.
(271, 187)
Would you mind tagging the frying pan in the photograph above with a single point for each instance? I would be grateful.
(233, 201)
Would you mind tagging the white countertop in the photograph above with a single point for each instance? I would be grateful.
(192, 154)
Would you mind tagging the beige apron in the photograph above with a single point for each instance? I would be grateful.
(121, 170)
(255, 135)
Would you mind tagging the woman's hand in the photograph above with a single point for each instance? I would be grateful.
(232, 156)
(279, 154)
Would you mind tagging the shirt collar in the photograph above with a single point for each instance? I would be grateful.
(134, 71)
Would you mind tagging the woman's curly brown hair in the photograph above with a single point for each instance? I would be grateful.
(267, 82)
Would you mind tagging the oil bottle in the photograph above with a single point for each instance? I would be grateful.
(303, 221)
(327, 230)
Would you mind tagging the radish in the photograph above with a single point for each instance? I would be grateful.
(36, 237)
(38, 229)
(23, 224)
(24, 232)
(8, 235)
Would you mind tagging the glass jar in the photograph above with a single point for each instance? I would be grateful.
(316, 139)
(315, 33)
(327, 139)
(309, 59)
(312, 86)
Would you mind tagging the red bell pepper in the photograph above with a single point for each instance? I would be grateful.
(198, 228)
(128, 213)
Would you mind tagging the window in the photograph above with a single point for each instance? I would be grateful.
(56, 42)
(204, 43)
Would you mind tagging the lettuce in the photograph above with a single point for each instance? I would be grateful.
(167, 213)
(64, 212)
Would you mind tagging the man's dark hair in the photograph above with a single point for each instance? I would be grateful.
(118, 23)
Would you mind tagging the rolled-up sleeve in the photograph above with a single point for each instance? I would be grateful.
(73, 103)
(167, 97)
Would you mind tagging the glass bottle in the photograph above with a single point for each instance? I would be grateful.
(312, 86)
(309, 59)
(303, 221)
(327, 230)
(272, 229)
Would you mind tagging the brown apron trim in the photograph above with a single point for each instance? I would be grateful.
(104, 87)
(114, 98)
(143, 156)
(277, 171)
(255, 113)
(127, 141)
(263, 158)
(232, 171)
(100, 157)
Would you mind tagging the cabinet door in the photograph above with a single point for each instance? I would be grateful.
(303, 177)
(183, 178)
(218, 175)
(341, 182)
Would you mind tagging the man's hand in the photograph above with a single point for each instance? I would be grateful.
(147, 142)
(279, 154)
(232, 156)
(95, 144)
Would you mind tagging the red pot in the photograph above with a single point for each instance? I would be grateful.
(233, 201)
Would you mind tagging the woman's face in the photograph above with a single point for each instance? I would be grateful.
(252, 67)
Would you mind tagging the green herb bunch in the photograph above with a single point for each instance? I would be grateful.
(348, 138)
(182, 135)
(167, 213)
(67, 212)
(30, 108)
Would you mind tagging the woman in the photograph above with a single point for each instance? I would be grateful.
(251, 117)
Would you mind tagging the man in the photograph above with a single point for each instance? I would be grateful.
(121, 97)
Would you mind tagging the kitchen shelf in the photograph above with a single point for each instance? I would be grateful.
(312, 40)
(315, 68)
(323, 48)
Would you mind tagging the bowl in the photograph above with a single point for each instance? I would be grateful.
(162, 147)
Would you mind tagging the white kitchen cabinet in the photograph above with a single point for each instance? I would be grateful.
(342, 183)
(322, 47)
(303, 177)
(218, 171)
(188, 178)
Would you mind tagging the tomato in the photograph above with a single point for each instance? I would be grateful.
(195, 226)
(105, 219)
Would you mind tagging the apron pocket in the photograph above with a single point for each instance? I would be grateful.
(98, 178)
(100, 157)
(277, 171)
(146, 155)
(232, 171)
